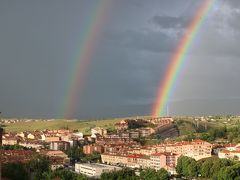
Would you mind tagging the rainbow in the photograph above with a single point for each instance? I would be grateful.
(167, 85)
(89, 37)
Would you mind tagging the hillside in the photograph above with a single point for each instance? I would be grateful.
(83, 126)
(185, 125)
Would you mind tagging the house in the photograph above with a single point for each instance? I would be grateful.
(122, 125)
(16, 156)
(6, 140)
(98, 130)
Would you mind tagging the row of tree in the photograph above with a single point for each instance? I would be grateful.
(213, 168)
(129, 174)
(38, 169)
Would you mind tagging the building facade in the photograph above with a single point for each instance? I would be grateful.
(94, 170)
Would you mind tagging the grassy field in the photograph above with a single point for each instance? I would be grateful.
(185, 125)
(83, 126)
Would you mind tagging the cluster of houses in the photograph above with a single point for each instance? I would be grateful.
(15, 120)
(119, 149)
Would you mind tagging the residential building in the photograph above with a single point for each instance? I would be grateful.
(98, 130)
(134, 134)
(89, 149)
(234, 154)
(144, 132)
(144, 162)
(32, 144)
(9, 140)
(16, 156)
(230, 152)
(94, 170)
(122, 125)
(59, 145)
(52, 138)
(114, 159)
(163, 160)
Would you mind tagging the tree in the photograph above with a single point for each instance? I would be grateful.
(126, 174)
(94, 157)
(38, 165)
(148, 174)
(152, 174)
(162, 174)
(66, 175)
(206, 168)
(230, 172)
(192, 168)
(187, 166)
(75, 153)
(14, 171)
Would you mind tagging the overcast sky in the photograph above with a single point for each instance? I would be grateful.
(39, 40)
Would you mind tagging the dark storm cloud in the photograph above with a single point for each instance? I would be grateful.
(156, 42)
(233, 3)
(41, 39)
(169, 21)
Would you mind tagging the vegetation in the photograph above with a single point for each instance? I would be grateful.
(14, 171)
(38, 166)
(126, 174)
(14, 147)
(63, 175)
(39, 169)
(129, 174)
(76, 154)
(211, 168)
(151, 174)
(83, 126)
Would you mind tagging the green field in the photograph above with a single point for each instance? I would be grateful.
(185, 125)
(83, 126)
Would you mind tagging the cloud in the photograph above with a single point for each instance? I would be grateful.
(148, 40)
(167, 22)
(233, 3)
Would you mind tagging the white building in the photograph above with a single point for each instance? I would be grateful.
(230, 152)
(94, 169)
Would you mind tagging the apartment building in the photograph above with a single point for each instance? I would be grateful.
(98, 130)
(196, 149)
(144, 162)
(59, 145)
(94, 170)
(163, 160)
(230, 152)
(9, 140)
(156, 161)
(89, 149)
(114, 159)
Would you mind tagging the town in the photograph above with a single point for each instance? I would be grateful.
(138, 144)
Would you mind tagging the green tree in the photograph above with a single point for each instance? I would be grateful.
(187, 166)
(148, 174)
(14, 171)
(75, 153)
(38, 165)
(126, 174)
(162, 174)
(66, 175)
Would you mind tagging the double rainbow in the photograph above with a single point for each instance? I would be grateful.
(166, 87)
